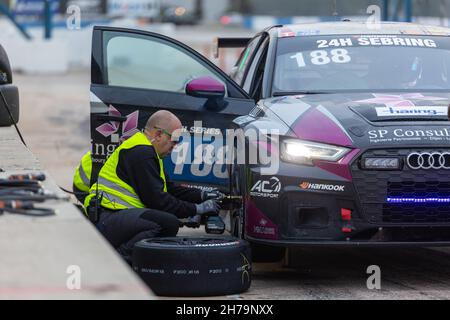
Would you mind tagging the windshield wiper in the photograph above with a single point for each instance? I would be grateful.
(294, 93)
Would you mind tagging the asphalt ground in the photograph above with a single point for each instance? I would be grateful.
(317, 273)
(405, 273)
(55, 124)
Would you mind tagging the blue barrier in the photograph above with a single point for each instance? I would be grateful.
(63, 25)
(48, 19)
(10, 16)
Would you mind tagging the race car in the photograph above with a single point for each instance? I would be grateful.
(352, 117)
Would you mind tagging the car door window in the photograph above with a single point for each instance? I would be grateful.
(253, 79)
(245, 59)
(130, 62)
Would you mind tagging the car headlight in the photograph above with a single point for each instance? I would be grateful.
(304, 152)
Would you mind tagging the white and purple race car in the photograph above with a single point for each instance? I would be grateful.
(355, 115)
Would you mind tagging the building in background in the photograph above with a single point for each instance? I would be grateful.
(257, 14)
(252, 14)
(150, 9)
(286, 8)
(87, 7)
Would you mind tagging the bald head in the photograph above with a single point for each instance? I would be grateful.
(159, 128)
(163, 119)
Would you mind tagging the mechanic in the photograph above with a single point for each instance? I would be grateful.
(137, 200)
(82, 178)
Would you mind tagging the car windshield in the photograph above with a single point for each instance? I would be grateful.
(362, 62)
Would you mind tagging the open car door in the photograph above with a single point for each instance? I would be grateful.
(136, 73)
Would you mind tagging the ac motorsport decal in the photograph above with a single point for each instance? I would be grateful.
(266, 189)
(322, 187)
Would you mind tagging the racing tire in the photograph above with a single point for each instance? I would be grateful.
(194, 266)
(265, 253)
(5, 66)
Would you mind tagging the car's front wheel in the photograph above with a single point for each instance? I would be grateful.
(236, 223)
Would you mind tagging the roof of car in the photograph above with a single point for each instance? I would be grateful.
(351, 27)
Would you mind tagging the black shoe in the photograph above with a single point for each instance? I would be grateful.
(125, 254)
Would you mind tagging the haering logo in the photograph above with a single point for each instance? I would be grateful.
(411, 111)
(129, 127)
(266, 189)
(403, 100)
(323, 187)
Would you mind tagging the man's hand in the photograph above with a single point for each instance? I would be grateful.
(193, 222)
(208, 206)
(212, 194)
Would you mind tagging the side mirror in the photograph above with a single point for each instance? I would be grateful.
(9, 94)
(205, 87)
(209, 88)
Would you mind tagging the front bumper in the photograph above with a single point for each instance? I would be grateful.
(349, 243)
(300, 215)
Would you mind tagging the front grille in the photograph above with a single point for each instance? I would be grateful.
(374, 187)
(432, 213)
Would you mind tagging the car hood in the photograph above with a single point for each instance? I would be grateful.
(370, 118)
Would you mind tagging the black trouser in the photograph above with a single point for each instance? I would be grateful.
(126, 227)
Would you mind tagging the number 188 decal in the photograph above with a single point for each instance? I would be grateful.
(322, 57)
(207, 159)
(206, 154)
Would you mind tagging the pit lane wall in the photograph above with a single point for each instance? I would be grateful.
(56, 257)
